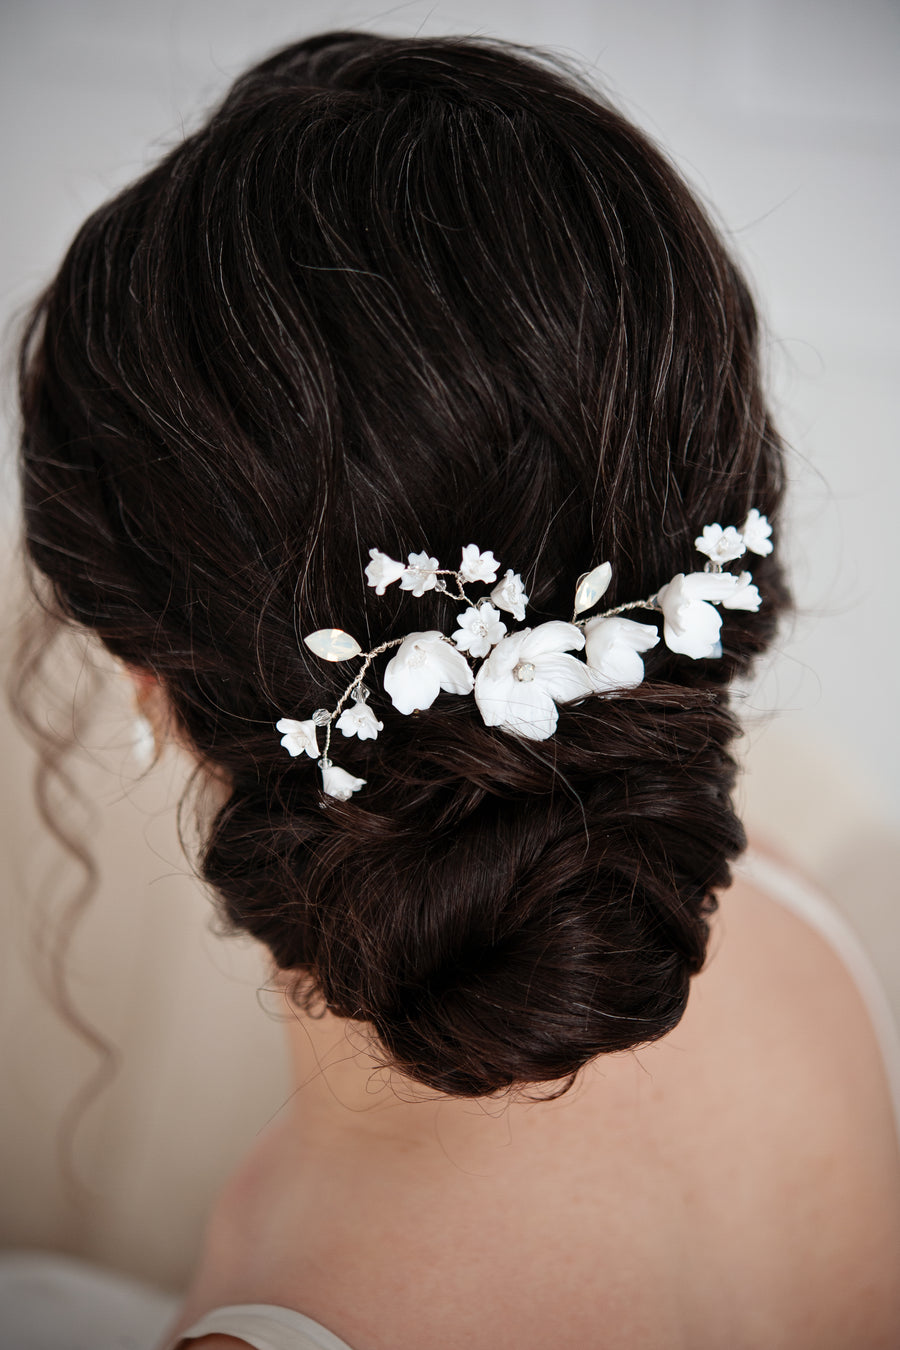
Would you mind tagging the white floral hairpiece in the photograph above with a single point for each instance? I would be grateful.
(524, 675)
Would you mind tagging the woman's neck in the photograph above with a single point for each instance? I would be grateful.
(344, 1092)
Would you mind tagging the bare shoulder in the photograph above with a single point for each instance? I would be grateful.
(810, 1087)
(803, 1007)
(798, 972)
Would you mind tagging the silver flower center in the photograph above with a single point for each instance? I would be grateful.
(524, 671)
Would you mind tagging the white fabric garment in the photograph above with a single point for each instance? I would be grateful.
(266, 1327)
(49, 1303)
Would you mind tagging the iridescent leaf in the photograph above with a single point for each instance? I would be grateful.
(592, 586)
(333, 644)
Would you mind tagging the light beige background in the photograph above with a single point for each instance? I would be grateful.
(786, 116)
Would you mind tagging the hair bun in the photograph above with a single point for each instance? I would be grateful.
(499, 912)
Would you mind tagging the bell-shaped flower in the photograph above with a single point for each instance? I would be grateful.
(477, 566)
(527, 674)
(424, 664)
(298, 736)
(744, 595)
(359, 720)
(691, 623)
(509, 594)
(420, 575)
(756, 531)
(721, 546)
(612, 651)
(480, 629)
(383, 571)
(339, 783)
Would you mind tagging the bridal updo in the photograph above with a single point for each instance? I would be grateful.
(414, 294)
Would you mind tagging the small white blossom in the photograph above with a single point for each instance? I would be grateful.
(744, 595)
(612, 648)
(424, 664)
(527, 675)
(339, 783)
(510, 595)
(480, 629)
(383, 571)
(477, 566)
(298, 736)
(359, 720)
(756, 531)
(691, 623)
(720, 545)
(421, 574)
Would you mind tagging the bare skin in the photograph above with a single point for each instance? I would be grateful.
(737, 1184)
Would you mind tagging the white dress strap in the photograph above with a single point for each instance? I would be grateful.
(265, 1327)
(804, 900)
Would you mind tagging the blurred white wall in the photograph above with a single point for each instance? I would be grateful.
(785, 115)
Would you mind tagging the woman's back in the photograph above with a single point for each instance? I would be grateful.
(736, 1184)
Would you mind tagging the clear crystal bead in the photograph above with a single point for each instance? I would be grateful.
(321, 717)
(360, 694)
(440, 585)
(324, 763)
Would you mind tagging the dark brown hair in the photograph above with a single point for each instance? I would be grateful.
(413, 294)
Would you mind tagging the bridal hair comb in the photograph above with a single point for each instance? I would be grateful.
(522, 674)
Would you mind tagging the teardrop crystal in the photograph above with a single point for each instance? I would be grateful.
(333, 644)
(592, 586)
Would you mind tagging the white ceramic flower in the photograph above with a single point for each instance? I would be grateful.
(744, 595)
(359, 720)
(510, 595)
(424, 664)
(480, 629)
(720, 545)
(756, 531)
(527, 675)
(298, 736)
(478, 566)
(691, 623)
(339, 783)
(612, 651)
(420, 575)
(383, 571)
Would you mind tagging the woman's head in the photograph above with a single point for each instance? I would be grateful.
(411, 294)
